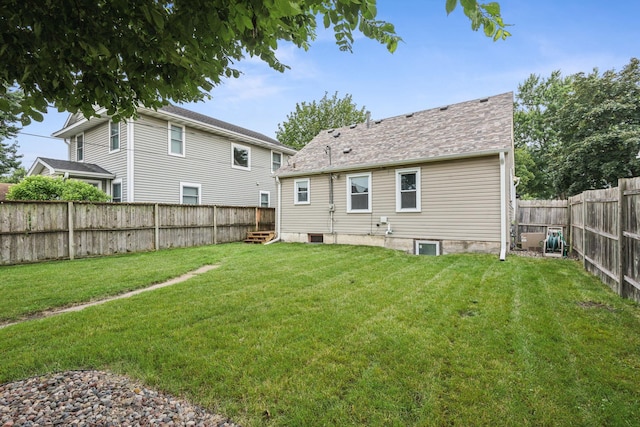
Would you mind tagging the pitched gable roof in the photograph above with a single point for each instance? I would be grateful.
(76, 124)
(471, 128)
(59, 167)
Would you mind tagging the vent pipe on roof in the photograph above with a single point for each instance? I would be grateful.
(484, 99)
(368, 115)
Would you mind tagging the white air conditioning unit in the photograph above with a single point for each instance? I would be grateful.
(427, 247)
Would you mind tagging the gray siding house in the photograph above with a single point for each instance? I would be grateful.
(435, 181)
(171, 155)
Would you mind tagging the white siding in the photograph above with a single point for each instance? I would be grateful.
(460, 201)
(96, 151)
(207, 161)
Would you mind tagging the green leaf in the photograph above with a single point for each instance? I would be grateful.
(451, 5)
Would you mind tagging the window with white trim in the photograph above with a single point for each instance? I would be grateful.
(176, 140)
(80, 147)
(359, 193)
(408, 190)
(240, 157)
(301, 191)
(190, 194)
(276, 161)
(114, 136)
(265, 199)
(116, 191)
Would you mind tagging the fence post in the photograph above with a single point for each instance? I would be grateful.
(584, 230)
(156, 226)
(622, 184)
(72, 249)
(257, 219)
(215, 224)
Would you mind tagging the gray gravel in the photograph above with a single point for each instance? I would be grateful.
(95, 398)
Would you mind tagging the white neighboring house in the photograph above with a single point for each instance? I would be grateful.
(171, 155)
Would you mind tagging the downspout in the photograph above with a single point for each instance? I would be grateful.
(278, 212)
(503, 209)
(130, 162)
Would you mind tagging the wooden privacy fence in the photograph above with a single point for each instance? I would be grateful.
(605, 232)
(534, 216)
(602, 227)
(37, 231)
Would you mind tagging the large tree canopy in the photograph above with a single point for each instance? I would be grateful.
(120, 54)
(10, 163)
(580, 132)
(310, 118)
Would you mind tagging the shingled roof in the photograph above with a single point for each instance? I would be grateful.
(59, 167)
(472, 128)
(192, 115)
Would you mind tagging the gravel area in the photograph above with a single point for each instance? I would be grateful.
(95, 398)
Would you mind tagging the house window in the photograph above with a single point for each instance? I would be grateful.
(265, 197)
(240, 157)
(116, 191)
(176, 140)
(302, 193)
(276, 161)
(80, 147)
(114, 136)
(359, 193)
(408, 190)
(190, 193)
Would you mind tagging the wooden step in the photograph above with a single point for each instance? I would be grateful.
(260, 237)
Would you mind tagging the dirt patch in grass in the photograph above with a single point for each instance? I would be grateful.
(594, 304)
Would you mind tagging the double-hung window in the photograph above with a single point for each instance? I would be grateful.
(240, 157)
(80, 147)
(176, 140)
(190, 193)
(408, 190)
(116, 191)
(302, 193)
(114, 137)
(264, 199)
(359, 193)
(276, 161)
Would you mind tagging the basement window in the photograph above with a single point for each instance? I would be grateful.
(316, 238)
(427, 247)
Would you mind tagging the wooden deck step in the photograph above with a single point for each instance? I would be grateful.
(260, 237)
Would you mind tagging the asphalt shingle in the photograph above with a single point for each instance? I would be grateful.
(467, 128)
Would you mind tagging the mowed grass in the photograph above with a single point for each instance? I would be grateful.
(29, 289)
(305, 335)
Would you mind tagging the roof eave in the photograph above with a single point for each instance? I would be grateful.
(79, 126)
(406, 162)
(223, 132)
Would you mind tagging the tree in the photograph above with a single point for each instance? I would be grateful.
(121, 54)
(599, 126)
(309, 119)
(49, 188)
(537, 102)
(10, 164)
(581, 132)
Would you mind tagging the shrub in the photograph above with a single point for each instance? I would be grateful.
(48, 188)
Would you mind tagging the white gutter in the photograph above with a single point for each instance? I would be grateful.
(278, 213)
(503, 209)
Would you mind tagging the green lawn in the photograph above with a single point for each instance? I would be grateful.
(343, 335)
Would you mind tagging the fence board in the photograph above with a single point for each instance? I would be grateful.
(604, 229)
(36, 231)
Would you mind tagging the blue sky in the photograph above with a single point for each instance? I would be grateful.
(441, 61)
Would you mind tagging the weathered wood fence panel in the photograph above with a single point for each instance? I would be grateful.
(534, 216)
(604, 230)
(38, 231)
